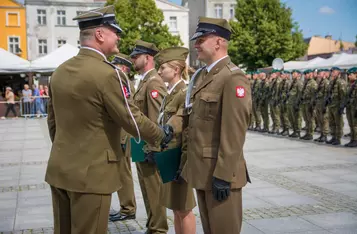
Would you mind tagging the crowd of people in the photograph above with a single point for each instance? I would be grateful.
(321, 99)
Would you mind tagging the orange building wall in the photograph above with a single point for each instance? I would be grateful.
(13, 30)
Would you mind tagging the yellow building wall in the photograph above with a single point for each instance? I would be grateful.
(13, 23)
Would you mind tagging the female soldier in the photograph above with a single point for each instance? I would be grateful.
(176, 195)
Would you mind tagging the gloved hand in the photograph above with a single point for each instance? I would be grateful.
(220, 189)
(123, 147)
(169, 134)
(178, 178)
(150, 157)
(340, 110)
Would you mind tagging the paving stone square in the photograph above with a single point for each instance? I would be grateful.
(297, 187)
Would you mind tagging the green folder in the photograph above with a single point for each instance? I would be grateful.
(137, 153)
(168, 162)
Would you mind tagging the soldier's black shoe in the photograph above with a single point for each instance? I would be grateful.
(347, 135)
(121, 217)
(348, 144)
(291, 135)
(331, 140)
(257, 128)
(353, 144)
(295, 135)
(308, 137)
(323, 139)
(265, 130)
(113, 212)
(272, 131)
(318, 139)
(303, 137)
(336, 142)
(285, 133)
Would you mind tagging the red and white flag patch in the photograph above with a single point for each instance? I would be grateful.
(240, 92)
(126, 92)
(154, 94)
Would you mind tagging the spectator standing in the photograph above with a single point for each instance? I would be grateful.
(10, 98)
(26, 94)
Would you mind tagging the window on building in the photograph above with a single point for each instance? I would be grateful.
(12, 19)
(14, 45)
(61, 17)
(218, 10)
(61, 42)
(232, 11)
(173, 23)
(41, 17)
(42, 46)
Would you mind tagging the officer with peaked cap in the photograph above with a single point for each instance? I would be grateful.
(126, 193)
(87, 109)
(148, 97)
(351, 106)
(218, 104)
(338, 90)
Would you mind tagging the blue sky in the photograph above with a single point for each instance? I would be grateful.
(322, 17)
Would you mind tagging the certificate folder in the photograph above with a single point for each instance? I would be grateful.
(168, 162)
(137, 153)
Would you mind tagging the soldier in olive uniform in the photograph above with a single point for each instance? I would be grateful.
(284, 89)
(337, 94)
(148, 97)
(177, 195)
(317, 78)
(87, 109)
(293, 96)
(264, 101)
(307, 98)
(255, 96)
(250, 75)
(274, 100)
(319, 103)
(351, 106)
(218, 104)
(126, 192)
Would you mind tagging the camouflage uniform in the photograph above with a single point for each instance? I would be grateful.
(338, 89)
(351, 112)
(307, 108)
(321, 111)
(255, 102)
(264, 104)
(284, 89)
(252, 117)
(294, 115)
(274, 104)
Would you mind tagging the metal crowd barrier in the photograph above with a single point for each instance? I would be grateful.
(35, 106)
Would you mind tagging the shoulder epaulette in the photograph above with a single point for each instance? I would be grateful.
(110, 64)
(232, 67)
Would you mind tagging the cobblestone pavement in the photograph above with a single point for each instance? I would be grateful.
(298, 187)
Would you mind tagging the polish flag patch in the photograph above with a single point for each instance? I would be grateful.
(240, 92)
(126, 92)
(154, 94)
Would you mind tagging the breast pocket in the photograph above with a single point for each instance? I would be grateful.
(208, 106)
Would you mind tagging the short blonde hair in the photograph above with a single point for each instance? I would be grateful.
(182, 66)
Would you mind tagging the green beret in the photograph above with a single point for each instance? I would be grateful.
(275, 70)
(323, 70)
(336, 69)
(352, 70)
(308, 71)
(170, 54)
(297, 71)
(286, 72)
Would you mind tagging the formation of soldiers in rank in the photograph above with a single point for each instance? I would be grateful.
(321, 100)
(94, 110)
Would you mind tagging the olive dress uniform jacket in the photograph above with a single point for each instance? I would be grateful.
(173, 195)
(217, 127)
(86, 112)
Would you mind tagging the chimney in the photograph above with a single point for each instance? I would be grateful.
(328, 37)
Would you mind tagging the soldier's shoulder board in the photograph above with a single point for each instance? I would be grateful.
(232, 67)
(110, 64)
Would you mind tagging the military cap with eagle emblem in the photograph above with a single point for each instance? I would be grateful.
(122, 59)
(206, 26)
(98, 17)
(143, 47)
(170, 54)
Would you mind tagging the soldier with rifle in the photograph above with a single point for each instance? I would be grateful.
(274, 100)
(284, 89)
(351, 106)
(319, 102)
(293, 95)
(336, 97)
(264, 101)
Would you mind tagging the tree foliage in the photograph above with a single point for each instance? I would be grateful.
(141, 19)
(264, 30)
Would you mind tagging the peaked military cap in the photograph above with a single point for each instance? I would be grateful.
(170, 54)
(335, 69)
(207, 26)
(122, 59)
(352, 70)
(143, 47)
(308, 71)
(295, 70)
(98, 17)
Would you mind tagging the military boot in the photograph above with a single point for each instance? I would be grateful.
(291, 135)
(303, 137)
(296, 135)
(331, 140)
(285, 133)
(264, 130)
(348, 144)
(318, 139)
(272, 131)
(308, 137)
(336, 142)
(257, 128)
(323, 138)
(353, 144)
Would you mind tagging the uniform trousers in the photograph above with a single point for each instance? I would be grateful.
(284, 116)
(265, 114)
(257, 114)
(322, 118)
(275, 116)
(336, 122)
(126, 192)
(220, 217)
(352, 121)
(150, 183)
(308, 118)
(80, 213)
(294, 118)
